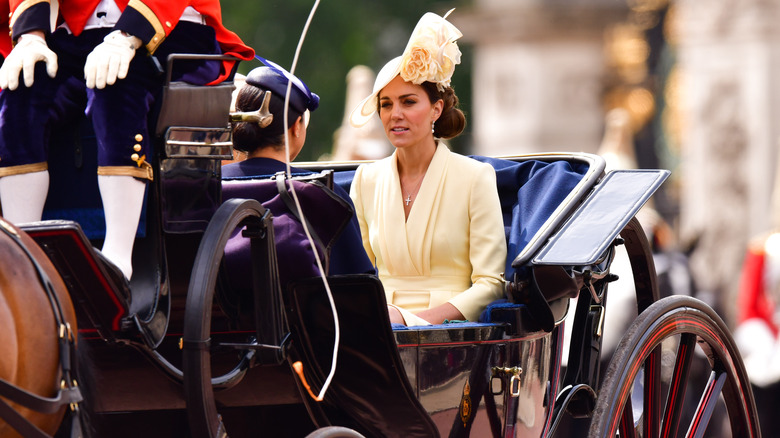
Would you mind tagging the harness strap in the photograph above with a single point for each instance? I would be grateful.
(69, 392)
(44, 405)
(19, 423)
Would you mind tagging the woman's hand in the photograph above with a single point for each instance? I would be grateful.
(395, 316)
(440, 313)
(436, 315)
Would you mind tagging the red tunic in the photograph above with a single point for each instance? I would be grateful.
(149, 20)
(754, 299)
(5, 38)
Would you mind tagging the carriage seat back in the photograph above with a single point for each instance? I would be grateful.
(370, 391)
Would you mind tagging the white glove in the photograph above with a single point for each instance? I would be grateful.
(28, 51)
(110, 59)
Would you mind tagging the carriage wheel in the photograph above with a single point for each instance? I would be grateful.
(204, 419)
(655, 370)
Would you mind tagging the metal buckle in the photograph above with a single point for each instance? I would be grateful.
(513, 373)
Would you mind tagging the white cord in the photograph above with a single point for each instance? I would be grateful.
(300, 211)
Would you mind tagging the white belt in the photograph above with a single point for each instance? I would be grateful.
(107, 13)
(426, 283)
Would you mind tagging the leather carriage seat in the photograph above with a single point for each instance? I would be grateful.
(368, 361)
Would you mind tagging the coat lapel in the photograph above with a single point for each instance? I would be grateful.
(422, 217)
(406, 244)
(394, 244)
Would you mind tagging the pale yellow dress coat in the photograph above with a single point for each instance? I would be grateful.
(451, 248)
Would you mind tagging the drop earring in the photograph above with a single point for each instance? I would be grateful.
(433, 127)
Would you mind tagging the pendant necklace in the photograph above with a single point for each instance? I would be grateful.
(408, 199)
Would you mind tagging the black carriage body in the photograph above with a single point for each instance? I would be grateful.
(147, 355)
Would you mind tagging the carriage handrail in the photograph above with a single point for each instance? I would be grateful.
(193, 56)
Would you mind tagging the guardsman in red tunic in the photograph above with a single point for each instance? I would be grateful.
(105, 58)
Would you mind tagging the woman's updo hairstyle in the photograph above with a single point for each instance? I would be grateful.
(452, 120)
(248, 136)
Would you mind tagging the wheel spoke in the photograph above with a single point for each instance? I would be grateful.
(652, 396)
(694, 327)
(709, 399)
(678, 385)
(626, 425)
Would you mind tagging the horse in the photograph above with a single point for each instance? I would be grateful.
(36, 317)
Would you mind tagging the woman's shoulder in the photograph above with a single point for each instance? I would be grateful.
(370, 170)
(256, 167)
(470, 165)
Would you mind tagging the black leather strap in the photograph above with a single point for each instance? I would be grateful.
(19, 423)
(44, 405)
(69, 392)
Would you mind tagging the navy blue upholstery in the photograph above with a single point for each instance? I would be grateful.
(529, 192)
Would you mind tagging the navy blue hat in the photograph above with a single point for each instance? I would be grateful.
(275, 78)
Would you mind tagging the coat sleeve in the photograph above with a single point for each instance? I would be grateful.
(5, 38)
(487, 246)
(28, 15)
(356, 193)
(153, 20)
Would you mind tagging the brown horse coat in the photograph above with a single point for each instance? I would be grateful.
(29, 354)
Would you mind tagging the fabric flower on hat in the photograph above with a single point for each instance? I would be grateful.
(430, 56)
(432, 53)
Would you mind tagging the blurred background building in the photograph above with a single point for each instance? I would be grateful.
(538, 73)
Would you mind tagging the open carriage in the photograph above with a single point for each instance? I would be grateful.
(181, 353)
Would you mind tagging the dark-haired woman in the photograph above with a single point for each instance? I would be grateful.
(266, 153)
(430, 218)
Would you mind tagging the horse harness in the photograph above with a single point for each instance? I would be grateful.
(68, 392)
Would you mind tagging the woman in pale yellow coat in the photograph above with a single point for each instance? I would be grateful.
(430, 219)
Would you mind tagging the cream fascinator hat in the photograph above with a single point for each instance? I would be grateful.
(430, 56)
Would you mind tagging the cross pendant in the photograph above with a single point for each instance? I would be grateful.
(408, 199)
